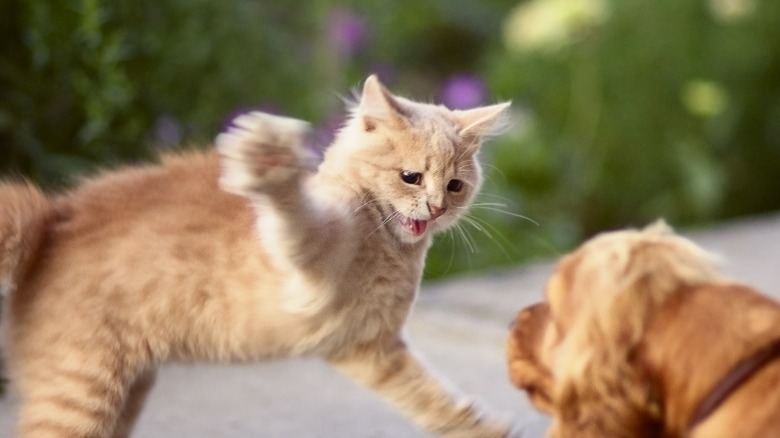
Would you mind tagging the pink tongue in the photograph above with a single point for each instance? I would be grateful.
(417, 227)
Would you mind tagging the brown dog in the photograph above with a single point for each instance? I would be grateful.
(640, 336)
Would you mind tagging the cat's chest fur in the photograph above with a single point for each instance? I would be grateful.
(358, 290)
(374, 297)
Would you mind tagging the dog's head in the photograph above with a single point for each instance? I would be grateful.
(585, 346)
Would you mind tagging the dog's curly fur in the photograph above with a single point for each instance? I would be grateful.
(636, 329)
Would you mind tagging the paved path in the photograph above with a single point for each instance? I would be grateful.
(459, 326)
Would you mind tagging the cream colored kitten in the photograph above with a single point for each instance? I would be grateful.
(236, 256)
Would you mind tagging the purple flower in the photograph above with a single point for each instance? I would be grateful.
(347, 32)
(463, 90)
(168, 131)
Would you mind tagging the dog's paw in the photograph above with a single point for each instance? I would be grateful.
(260, 152)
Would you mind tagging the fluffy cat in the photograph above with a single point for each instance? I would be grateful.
(239, 254)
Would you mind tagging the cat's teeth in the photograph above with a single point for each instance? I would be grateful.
(415, 226)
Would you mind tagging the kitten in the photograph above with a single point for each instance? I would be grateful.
(238, 255)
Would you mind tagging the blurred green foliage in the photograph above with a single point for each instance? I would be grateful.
(642, 110)
(626, 110)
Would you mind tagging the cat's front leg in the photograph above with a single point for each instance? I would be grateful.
(261, 153)
(262, 158)
(400, 379)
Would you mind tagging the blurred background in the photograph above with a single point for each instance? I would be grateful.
(624, 110)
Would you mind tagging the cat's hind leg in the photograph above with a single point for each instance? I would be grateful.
(136, 398)
(69, 386)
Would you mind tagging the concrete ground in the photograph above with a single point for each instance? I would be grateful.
(459, 326)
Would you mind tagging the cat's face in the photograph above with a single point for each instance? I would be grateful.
(417, 161)
(424, 178)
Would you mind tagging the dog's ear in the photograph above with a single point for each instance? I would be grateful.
(601, 383)
(631, 274)
(527, 361)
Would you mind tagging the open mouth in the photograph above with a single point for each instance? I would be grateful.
(416, 227)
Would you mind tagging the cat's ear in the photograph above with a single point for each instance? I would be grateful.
(484, 121)
(377, 105)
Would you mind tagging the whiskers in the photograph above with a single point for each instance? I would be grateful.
(500, 207)
(468, 241)
(384, 222)
(364, 205)
(466, 233)
(488, 230)
(496, 169)
(370, 203)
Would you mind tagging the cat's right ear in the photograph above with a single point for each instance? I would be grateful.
(485, 121)
(377, 105)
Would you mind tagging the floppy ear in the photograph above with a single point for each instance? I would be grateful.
(377, 105)
(484, 121)
(526, 358)
(604, 387)
(601, 387)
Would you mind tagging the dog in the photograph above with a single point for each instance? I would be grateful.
(640, 335)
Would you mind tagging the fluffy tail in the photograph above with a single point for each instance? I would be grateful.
(24, 215)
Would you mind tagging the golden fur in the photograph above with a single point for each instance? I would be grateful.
(637, 328)
(238, 255)
(525, 355)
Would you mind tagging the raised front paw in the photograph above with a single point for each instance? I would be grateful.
(484, 430)
(260, 152)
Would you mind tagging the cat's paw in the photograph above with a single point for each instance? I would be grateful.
(260, 152)
(486, 429)
(474, 422)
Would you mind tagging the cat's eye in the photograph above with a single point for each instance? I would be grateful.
(455, 185)
(411, 177)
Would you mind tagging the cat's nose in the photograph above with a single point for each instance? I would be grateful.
(436, 211)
